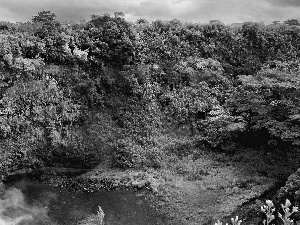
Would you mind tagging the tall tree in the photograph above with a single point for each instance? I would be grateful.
(292, 22)
(44, 17)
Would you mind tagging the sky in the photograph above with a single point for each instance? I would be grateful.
(227, 11)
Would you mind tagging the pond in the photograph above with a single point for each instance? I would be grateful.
(28, 202)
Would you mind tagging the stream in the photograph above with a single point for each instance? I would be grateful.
(28, 202)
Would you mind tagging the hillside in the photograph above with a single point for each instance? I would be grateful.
(206, 116)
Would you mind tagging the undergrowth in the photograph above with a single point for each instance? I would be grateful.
(271, 215)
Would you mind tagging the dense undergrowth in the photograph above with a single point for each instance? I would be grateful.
(148, 95)
(285, 215)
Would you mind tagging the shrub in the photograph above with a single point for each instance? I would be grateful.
(74, 151)
(269, 210)
(130, 154)
(37, 107)
(18, 154)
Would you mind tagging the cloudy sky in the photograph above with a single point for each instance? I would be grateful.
(228, 11)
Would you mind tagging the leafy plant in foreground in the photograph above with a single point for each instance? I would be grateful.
(269, 210)
(234, 221)
(96, 219)
(287, 213)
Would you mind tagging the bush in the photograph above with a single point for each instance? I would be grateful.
(84, 146)
(75, 151)
(18, 154)
(129, 154)
(284, 217)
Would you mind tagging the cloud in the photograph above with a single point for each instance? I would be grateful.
(167, 9)
(285, 3)
(7, 15)
(65, 10)
(228, 11)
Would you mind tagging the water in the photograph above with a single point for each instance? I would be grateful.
(33, 203)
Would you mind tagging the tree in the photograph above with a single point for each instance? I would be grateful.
(269, 102)
(37, 107)
(292, 22)
(141, 21)
(187, 105)
(110, 40)
(276, 22)
(119, 15)
(216, 22)
(46, 24)
(44, 17)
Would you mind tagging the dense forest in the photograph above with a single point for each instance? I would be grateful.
(148, 95)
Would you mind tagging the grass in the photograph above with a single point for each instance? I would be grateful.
(190, 183)
(198, 186)
(193, 185)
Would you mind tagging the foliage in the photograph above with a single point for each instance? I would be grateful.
(17, 154)
(44, 17)
(75, 150)
(292, 22)
(187, 104)
(110, 41)
(223, 86)
(129, 154)
(268, 209)
(38, 108)
(234, 221)
(269, 103)
(96, 219)
(78, 84)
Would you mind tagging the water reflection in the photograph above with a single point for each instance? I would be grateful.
(32, 203)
